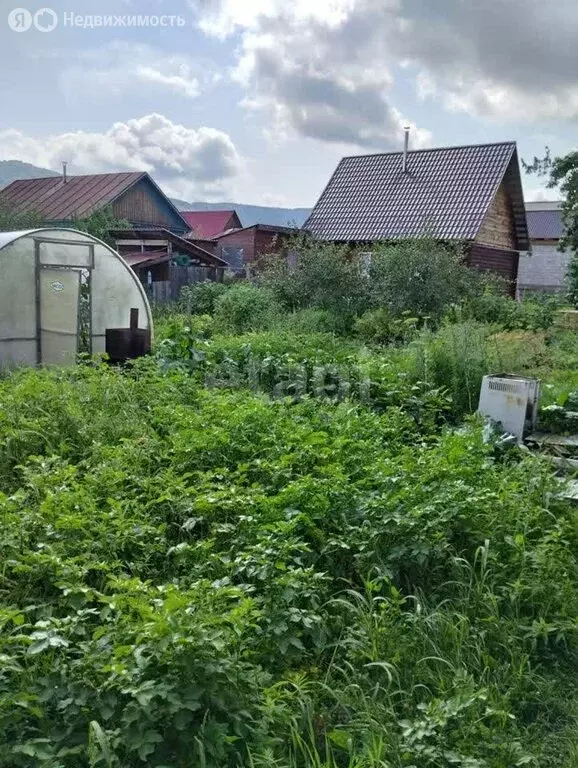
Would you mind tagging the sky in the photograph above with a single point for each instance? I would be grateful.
(255, 101)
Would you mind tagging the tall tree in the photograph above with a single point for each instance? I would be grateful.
(11, 221)
(562, 173)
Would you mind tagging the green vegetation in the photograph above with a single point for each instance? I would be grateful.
(272, 544)
(14, 222)
(100, 224)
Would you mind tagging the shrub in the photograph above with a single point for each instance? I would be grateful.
(309, 321)
(246, 307)
(491, 306)
(200, 298)
(377, 326)
(421, 276)
(456, 357)
(572, 279)
(325, 276)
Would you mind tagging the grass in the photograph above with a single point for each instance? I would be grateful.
(200, 567)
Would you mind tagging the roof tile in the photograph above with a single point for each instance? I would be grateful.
(545, 225)
(446, 192)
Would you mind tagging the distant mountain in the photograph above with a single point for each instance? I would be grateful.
(252, 214)
(10, 170)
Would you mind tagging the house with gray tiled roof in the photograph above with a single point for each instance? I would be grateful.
(472, 194)
(544, 269)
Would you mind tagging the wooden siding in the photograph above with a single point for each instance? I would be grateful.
(498, 228)
(254, 242)
(498, 260)
(244, 238)
(142, 205)
(269, 242)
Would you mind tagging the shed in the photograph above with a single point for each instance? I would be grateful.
(60, 290)
(243, 247)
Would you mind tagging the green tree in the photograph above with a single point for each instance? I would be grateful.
(13, 221)
(562, 173)
(320, 275)
(421, 276)
(100, 224)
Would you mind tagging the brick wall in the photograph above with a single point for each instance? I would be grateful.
(544, 269)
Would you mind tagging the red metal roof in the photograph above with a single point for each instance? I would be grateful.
(57, 200)
(206, 224)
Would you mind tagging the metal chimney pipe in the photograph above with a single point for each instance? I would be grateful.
(405, 148)
(64, 171)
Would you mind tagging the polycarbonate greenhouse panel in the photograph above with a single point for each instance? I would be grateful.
(59, 298)
(40, 276)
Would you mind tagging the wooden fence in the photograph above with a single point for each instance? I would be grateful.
(168, 290)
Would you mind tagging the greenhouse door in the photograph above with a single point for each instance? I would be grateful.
(63, 309)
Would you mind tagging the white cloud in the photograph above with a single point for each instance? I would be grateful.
(506, 60)
(121, 68)
(318, 69)
(324, 68)
(185, 161)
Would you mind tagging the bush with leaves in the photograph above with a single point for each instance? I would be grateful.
(491, 305)
(420, 276)
(324, 276)
(378, 326)
(200, 298)
(12, 221)
(101, 223)
(416, 278)
(246, 307)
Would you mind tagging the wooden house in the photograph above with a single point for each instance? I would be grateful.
(470, 194)
(61, 200)
(165, 262)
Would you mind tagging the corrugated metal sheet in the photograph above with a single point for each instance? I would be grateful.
(206, 224)
(57, 200)
(446, 192)
(545, 225)
(138, 257)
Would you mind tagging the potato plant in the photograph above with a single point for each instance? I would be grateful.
(230, 576)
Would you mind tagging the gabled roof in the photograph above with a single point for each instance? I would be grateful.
(545, 225)
(206, 224)
(446, 192)
(270, 228)
(57, 200)
(184, 245)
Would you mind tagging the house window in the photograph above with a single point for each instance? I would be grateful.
(234, 258)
